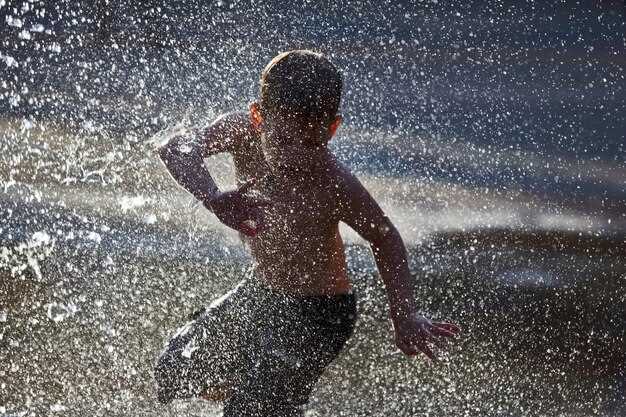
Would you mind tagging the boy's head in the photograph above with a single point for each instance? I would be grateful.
(301, 91)
(297, 109)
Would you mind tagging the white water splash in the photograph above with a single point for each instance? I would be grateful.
(190, 348)
(24, 34)
(57, 408)
(58, 312)
(40, 238)
(33, 262)
(132, 202)
(108, 261)
(9, 61)
(15, 22)
(95, 237)
(150, 218)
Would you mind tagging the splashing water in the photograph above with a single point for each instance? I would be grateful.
(491, 133)
(59, 311)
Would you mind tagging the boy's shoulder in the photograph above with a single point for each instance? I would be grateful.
(228, 132)
(343, 185)
(355, 206)
(340, 176)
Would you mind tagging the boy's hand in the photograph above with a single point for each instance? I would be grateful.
(414, 333)
(239, 211)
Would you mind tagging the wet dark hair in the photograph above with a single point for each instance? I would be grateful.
(301, 84)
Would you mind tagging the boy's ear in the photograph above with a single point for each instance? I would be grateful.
(255, 115)
(334, 125)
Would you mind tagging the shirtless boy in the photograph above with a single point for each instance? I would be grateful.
(262, 346)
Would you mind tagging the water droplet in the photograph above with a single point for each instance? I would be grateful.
(24, 34)
(132, 202)
(94, 236)
(9, 60)
(56, 312)
(108, 262)
(14, 21)
(57, 408)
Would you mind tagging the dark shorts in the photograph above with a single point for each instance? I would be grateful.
(267, 347)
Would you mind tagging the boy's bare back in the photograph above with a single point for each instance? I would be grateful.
(299, 248)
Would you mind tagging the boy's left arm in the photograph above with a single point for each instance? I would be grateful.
(413, 332)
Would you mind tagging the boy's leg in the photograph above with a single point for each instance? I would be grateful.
(197, 356)
(288, 357)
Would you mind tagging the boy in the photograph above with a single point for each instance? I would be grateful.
(262, 346)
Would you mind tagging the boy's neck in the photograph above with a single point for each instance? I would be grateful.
(291, 134)
(302, 174)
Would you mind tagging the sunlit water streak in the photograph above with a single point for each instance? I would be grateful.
(106, 271)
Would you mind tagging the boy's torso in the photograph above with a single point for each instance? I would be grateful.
(300, 250)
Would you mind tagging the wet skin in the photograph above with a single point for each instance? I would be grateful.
(291, 196)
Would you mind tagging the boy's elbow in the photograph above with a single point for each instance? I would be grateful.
(171, 150)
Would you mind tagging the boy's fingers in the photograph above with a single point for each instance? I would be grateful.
(429, 336)
(423, 347)
(415, 348)
(448, 326)
(246, 185)
(259, 221)
(254, 222)
(247, 229)
(437, 341)
(440, 331)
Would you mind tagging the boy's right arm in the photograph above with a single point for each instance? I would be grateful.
(184, 158)
(357, 208)
(184, 155)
